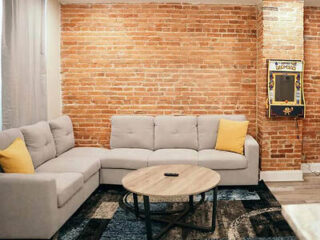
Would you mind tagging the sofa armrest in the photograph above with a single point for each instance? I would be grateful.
(251, 150)
(27, 203)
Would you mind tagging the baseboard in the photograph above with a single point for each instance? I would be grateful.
(310, 167)
(281, 176)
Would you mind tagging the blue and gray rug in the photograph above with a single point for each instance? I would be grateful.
(250, 213)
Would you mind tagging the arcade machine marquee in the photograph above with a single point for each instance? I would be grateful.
(285, 88)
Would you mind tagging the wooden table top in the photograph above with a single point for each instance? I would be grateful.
(150, 181)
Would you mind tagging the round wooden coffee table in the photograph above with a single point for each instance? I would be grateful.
(152, 182)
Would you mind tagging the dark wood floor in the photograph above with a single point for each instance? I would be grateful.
(307, 191)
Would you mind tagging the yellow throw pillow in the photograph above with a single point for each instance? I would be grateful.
(16, 158)
(231, 135)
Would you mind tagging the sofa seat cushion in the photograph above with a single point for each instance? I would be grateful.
(126, 158)
(67, 184)
(88, 166)
(221, 160)
(173, 156)
(94, 152)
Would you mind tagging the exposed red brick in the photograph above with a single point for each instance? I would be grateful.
(311, 129)
(280, 36)
(155, 59)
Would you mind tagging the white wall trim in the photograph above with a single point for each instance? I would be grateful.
(306, 167)
(315, 3)
(281, 176)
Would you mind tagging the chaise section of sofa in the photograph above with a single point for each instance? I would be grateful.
(35, 206)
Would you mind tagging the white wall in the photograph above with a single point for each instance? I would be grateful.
(53, 59)
(0, 67)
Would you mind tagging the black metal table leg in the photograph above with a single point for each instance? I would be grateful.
(191, 201)
(147, 217)
(203, 195)
(177, 215)
(214, 208)
(136, 206)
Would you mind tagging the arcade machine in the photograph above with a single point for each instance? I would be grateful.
(285, 88)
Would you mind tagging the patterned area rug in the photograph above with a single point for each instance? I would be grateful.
(249, 212)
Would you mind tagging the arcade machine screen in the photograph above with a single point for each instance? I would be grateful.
(284, 88)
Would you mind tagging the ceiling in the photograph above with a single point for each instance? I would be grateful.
(235, 2)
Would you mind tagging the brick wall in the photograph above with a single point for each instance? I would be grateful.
(311, 129)
(280, 36)
(155, 59)
(190, 59)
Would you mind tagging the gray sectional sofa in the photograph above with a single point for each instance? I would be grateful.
(35, 206)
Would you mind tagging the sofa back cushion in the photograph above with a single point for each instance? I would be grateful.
(39, 141)
(176, 132)
(208, 128)
(8, 136)
(128, 131)
(62, 131)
